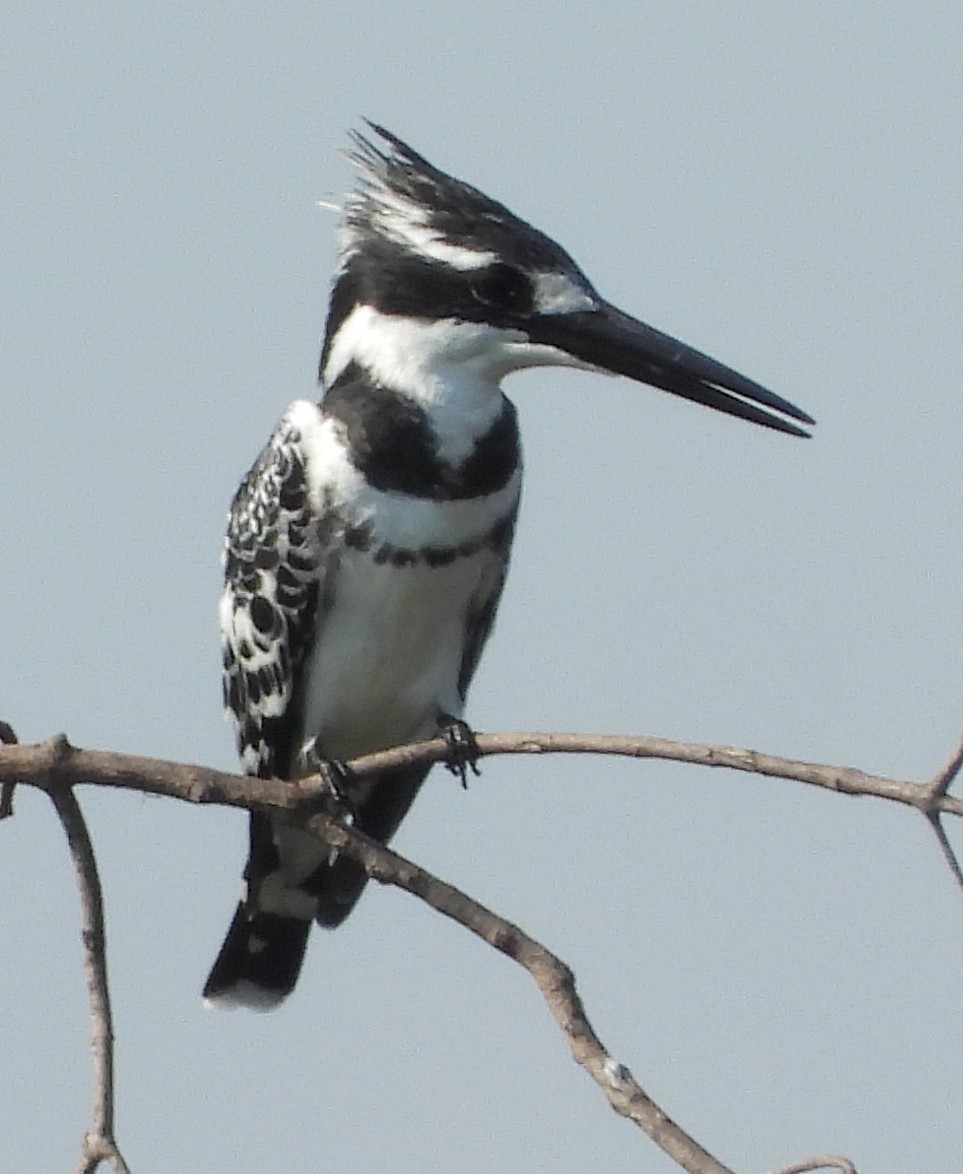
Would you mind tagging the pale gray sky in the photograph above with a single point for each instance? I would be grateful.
(777, 185)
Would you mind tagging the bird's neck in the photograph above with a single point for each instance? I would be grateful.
(444, 371)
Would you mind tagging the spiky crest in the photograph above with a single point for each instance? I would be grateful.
(403, 199)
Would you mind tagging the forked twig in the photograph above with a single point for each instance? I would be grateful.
(936, 791)
(99, 1144)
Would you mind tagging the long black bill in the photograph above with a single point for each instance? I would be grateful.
(616, 342)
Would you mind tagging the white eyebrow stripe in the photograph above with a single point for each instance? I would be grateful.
(429, 244)
(407, 223)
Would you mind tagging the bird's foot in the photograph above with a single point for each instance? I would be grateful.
(462, 748)
(337, 778)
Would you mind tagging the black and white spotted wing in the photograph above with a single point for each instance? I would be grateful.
(273, 562)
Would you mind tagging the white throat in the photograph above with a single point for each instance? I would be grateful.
(451, 369)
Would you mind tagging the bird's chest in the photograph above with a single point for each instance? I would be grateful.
(396, 610)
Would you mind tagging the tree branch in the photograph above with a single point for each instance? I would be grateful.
(57, 763)
(99, 1144)
(554, 979)
(55, 767)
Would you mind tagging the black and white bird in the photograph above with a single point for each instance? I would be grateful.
(367, 548)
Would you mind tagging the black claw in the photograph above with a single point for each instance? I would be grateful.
(337, 775)
(338, 779)
(462, 748)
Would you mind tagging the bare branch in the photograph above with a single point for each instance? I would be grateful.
(57, 763)
(552, 977)
(935, 790)
(99, 1144)
(55, 766)
(824, 1163)
(933, 818)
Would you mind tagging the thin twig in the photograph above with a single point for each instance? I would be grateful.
(824, 1163)
(949, 855)
(936, 790)
(942, 780)
(99, 1144)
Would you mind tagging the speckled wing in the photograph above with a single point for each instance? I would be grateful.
(273, 561)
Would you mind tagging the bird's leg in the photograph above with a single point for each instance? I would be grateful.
(462, 747)
(336, 776)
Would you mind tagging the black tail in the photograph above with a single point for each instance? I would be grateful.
(261, 957)
(259, 962)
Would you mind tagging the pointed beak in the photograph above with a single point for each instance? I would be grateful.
(615, 342)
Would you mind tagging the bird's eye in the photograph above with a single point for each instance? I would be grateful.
(503, 288)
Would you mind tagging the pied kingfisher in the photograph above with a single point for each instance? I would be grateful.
(367, 548)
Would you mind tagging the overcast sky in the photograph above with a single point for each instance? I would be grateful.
(777, 185)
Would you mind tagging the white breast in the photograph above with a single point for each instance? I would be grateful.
(387, 659)
(391, 638)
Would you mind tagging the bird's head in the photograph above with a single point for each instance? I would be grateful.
(433, 272)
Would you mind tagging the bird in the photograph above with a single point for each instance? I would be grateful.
(367, 548)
